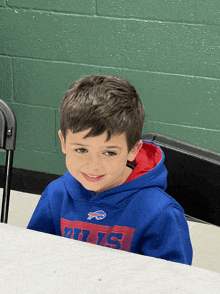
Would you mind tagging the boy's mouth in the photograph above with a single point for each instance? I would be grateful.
(92, 178)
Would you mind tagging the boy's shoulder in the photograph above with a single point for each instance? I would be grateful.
(59, 185)
(64, 185)
(155, 198)
(56, 183)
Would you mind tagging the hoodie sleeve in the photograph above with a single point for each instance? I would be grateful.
(168, 237)
(41, 219)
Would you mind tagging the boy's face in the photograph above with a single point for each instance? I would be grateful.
(97, 164)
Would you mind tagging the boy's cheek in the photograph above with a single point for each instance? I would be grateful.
(70, 164)
(73, 163)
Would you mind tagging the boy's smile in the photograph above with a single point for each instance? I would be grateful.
(99, 165)
(92, 178)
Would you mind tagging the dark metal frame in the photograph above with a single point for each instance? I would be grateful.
(8, 132)
(193, 177)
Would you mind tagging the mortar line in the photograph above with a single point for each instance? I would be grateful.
(185, 126)
(161, 21)
(13, 79)
(115, 68)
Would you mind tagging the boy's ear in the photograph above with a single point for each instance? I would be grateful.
(62, 140)
(134, 151)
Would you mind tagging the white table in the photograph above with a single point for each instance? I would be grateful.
(33, 262)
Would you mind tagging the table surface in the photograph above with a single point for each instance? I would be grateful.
(33, 262)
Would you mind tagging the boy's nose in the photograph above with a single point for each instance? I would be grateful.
(94, 163)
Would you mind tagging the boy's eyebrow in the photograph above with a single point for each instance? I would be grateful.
(79, 144)
(114, 147)
(88, 146)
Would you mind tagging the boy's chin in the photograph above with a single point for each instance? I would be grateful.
(91, 187)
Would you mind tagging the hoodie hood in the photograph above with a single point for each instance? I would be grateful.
(149, 172)
(147, 158)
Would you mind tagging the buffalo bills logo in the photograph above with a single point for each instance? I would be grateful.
(99, 214)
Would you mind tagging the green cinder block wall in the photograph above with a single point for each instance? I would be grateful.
(169, 50)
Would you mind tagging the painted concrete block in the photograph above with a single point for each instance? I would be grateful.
(168, 10)
(170, 98)
(73, 6)
(208, 12)
(44, 83)
(176, 99)
(2, 2)
(150, 46)
(6, 83)
(206, 138)
(53, 163)
(35, 127)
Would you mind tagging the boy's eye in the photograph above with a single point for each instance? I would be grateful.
(81, 150)
(110, 153)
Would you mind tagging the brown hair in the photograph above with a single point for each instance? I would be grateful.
(103, 103)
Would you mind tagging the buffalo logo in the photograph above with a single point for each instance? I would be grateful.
(99, 214)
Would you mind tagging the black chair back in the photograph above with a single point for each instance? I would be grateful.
(8, 132)
(193, 177)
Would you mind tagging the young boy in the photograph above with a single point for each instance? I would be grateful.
(113, 192)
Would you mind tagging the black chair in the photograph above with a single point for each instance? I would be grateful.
(193, 178)
(8, 131)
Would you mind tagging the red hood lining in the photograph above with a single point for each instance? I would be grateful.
(146, 159)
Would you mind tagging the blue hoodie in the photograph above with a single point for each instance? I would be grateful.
(137, 216)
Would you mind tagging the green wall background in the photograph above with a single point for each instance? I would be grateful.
(169, 50)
